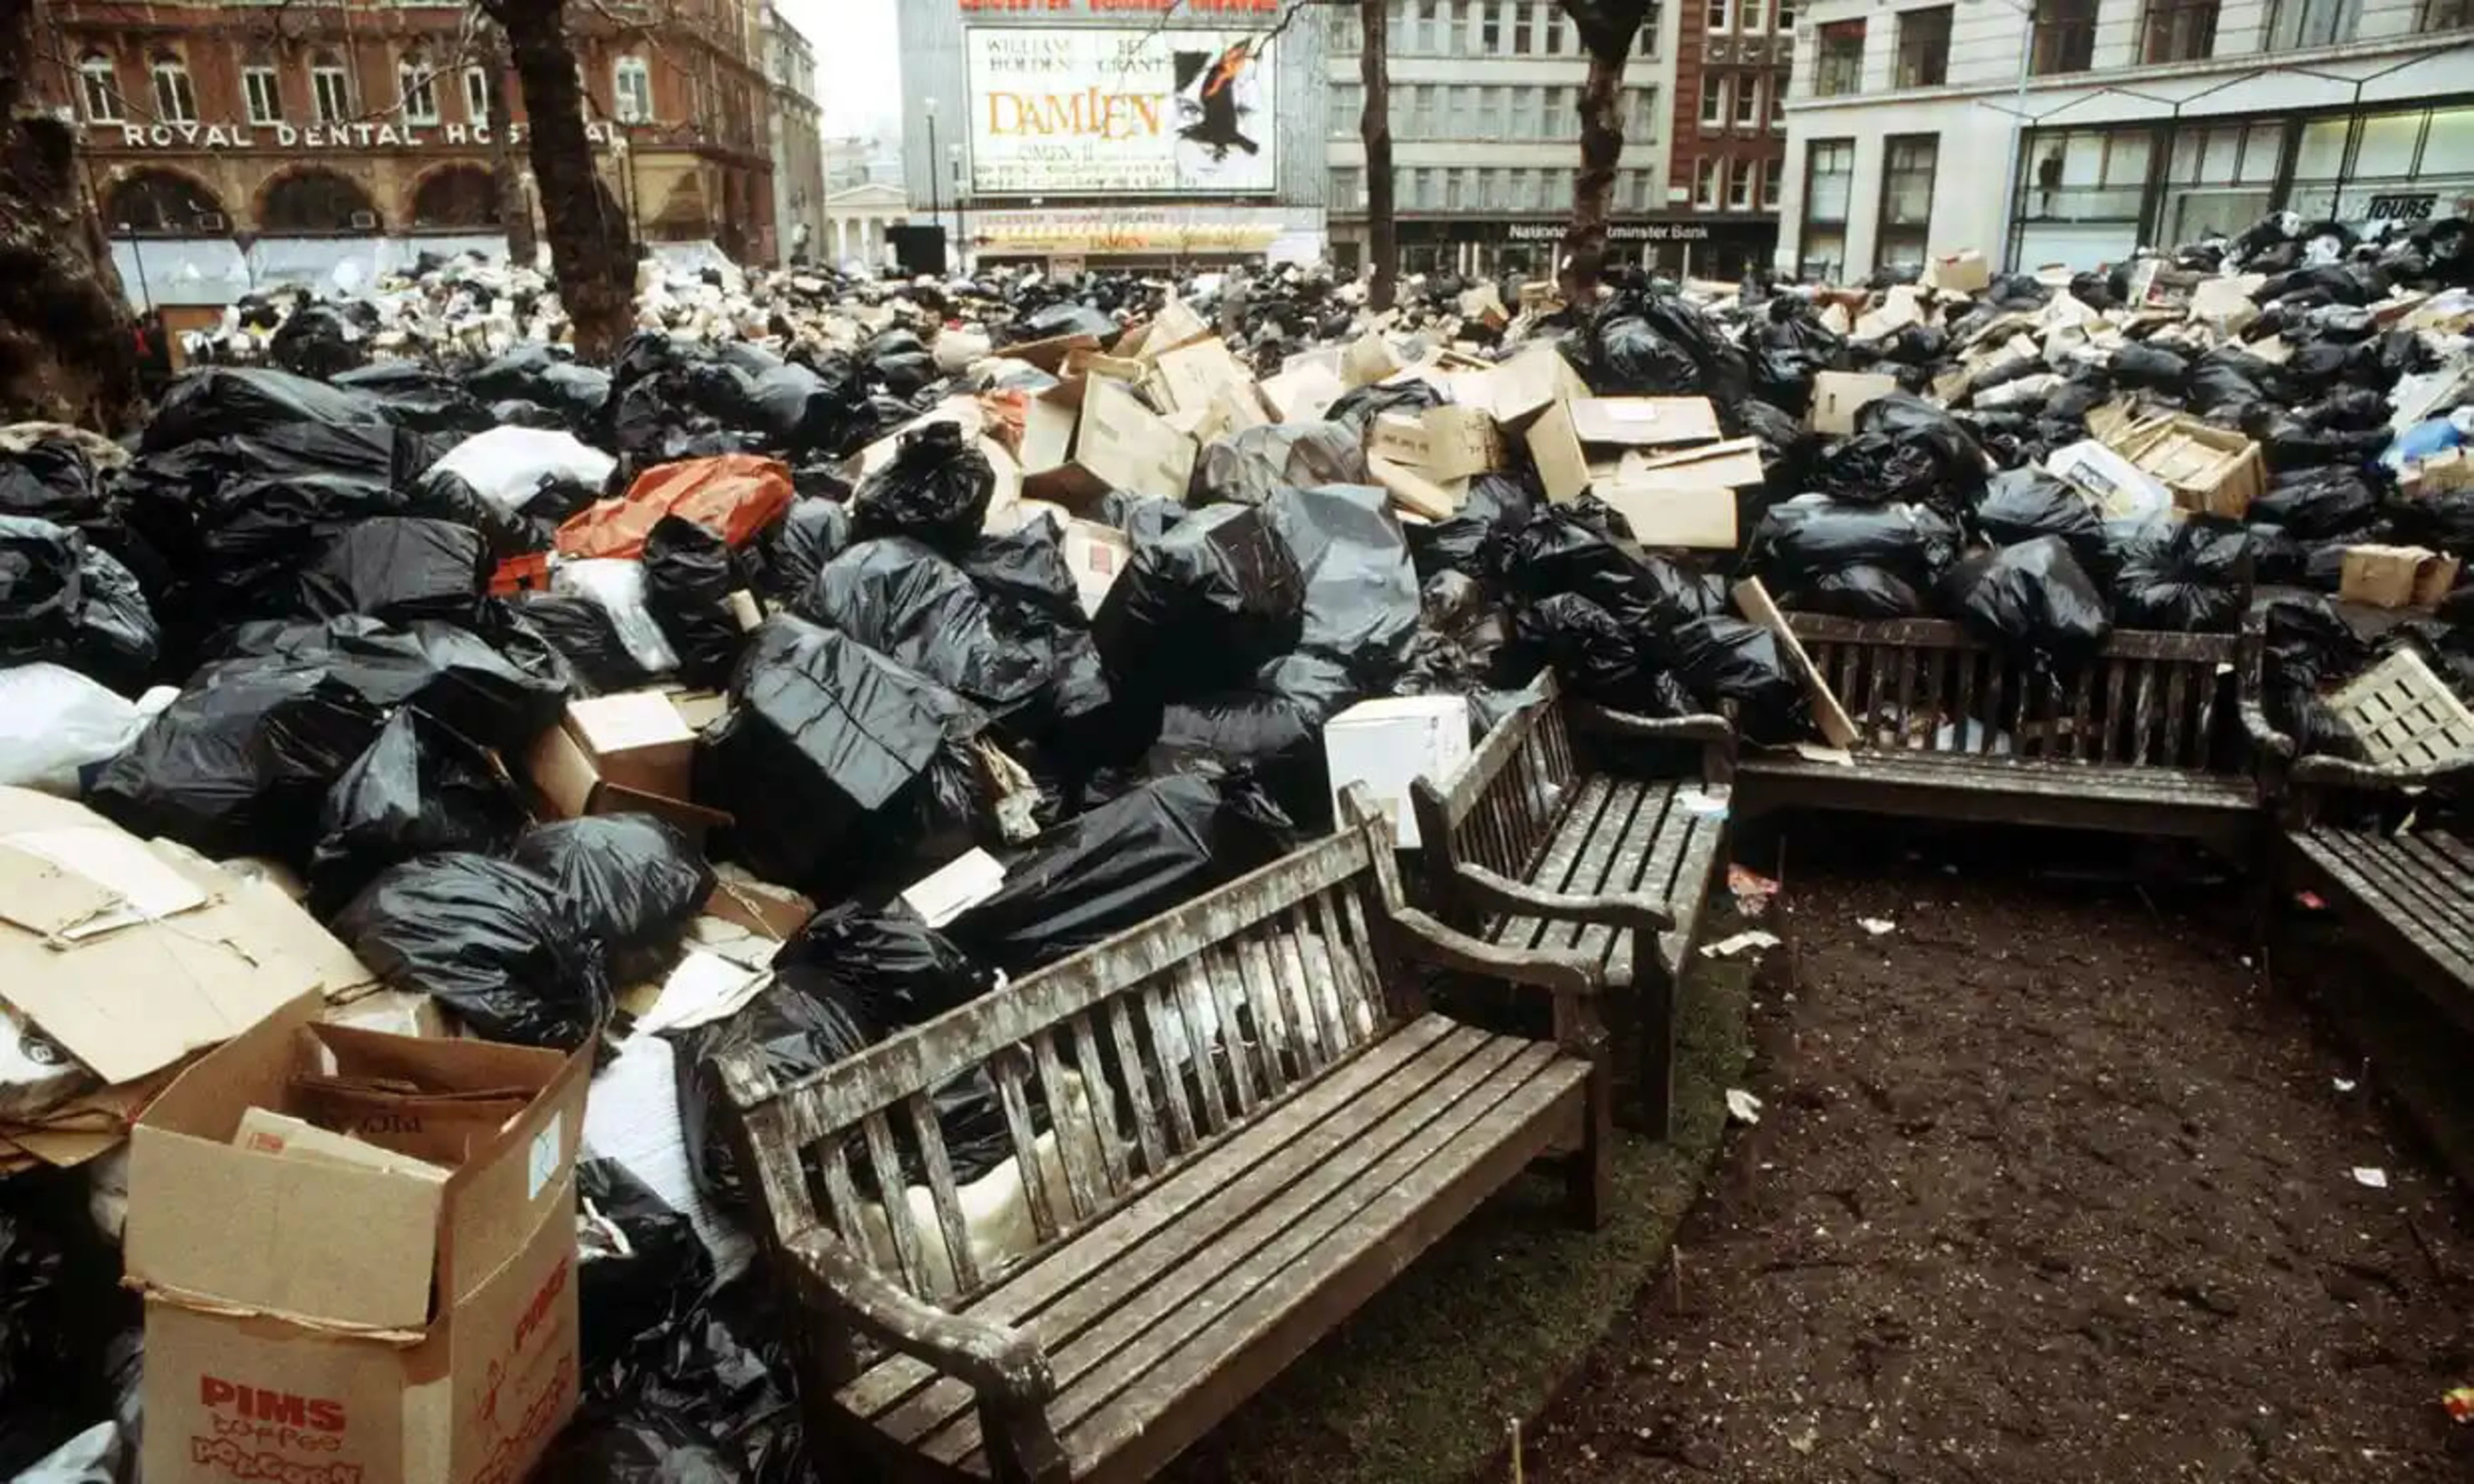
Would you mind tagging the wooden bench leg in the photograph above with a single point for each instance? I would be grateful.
(1589, 1171)
(1021, 1445)
(1655, 1000)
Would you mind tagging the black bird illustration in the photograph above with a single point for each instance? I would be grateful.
(1214, 115)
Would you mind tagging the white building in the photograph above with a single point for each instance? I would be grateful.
(2074, 131)
(798, 137)
(858, 219)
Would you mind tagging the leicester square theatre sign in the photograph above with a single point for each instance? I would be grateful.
(1092, 112)
(316, 136)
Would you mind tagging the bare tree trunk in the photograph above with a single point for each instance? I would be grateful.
(589, 254)
(515, 211)
(1375, 127)
(1608, 30)
(68, 348)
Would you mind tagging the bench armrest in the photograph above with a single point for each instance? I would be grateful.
(1000, 1362)
(1494, 892)
(2326, 772)
(1716, 735)
(2264, 735)
(1560, 970)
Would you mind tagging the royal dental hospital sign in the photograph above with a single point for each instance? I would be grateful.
(314, 136)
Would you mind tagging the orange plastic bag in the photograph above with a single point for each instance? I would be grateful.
(737, 495)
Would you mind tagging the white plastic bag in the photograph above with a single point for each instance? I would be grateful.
(506, 465)
(618, 584)
(55, 722)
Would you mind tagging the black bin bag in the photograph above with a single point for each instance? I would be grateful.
(2185, 576)
(223, 401)
(500, 695)
(2032, 600)
(904, 599)
(1457, 544)
(1250, 467)
(688, 583)
(399, 571)
(1127, 860)
(1859, 591)
(1361, 605)
(489, 939)
(72, 604)
(636, 1445)
(631, 880)
(2022, 504)
(419, 789)
(1203, 606)
(788, 557)
(894, 970)
(840, 764)
(641, 1273)
(239, 764)
(936, 489)
(587, 637)
(1812, 536)
(1724, 659)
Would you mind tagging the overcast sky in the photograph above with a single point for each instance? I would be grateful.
(859, 64)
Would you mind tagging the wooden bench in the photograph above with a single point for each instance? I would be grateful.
(2410, 893)
(1204, 1218)
(2137, 742)
(1531, 844)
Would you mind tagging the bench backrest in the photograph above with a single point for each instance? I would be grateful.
(1503, 826)
(2404, 715)
(1274, 977)
(2149, 699)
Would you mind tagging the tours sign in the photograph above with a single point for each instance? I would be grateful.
(1089, 111)
(215, 137)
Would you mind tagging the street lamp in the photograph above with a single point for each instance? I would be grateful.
(935, 206)
(961, 218)
(2014, 178)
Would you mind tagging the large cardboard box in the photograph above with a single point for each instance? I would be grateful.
(632, 753)
(1120, 444)
(1644, 421)
(1444, 443)
(307, 1320)
(1389, 744)
(2395, 576)
(1836, 394)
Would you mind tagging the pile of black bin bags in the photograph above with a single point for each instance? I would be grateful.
(268, 626)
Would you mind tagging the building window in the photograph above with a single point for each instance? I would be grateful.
(456, 197)
(101, 90)
(175, 102)
(2177, 31)
(1722, 16)
(1649, 35)
(1348, 188)
(1750, 22)
(1747, 102)
(1828, 179)
(1713, 100)
(1644, 113)
(1524, 24)
(2292, 23)
(1838, 59)
(1907, 162)
(330, 90)
(632, 85)
(1740, 185)
(415, 89)
(2446, 14)
(2065, 37)
(1456, 37)
(1924, 46)
(1770, 174)
(1424, 108)
(316, 204)
(1489, 27)
(1786, 16)
(261, 90)
(1453, 188)
(160, 203)
(481, 99)
(1704, 187)
(1425, 35)
(1489, 113)
(1550, 39)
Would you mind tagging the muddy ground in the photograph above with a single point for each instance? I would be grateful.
(2051, 1186)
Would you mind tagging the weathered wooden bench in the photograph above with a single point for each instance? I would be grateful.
(2137, 742)
(2409, 895)
(1283, 1126)
(1533, 845)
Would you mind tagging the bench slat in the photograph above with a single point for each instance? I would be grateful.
(1217, 1189)
(2176, 786)
(1594, 865)
(1191, 1022)
(1284, 1053)
(2177, 715)
(1907, 697)
(1183, 1128)
(2326, 850)
(893, 1201)
(2450, 886)
(1104, 1102)
(1137, 1087)
(943, 1193)
(2116, 677)
(1291, 1237)
(1220, 975)
(1588, 800)
(2406, 881)
(1641, 866)
(1086, 1185)
(1006, 1068)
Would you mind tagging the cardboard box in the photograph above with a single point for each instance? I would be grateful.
(1191, 378)
(1097, 554)
(1836, 394)
(1443, 443)
(264, 1130)
(1366, 360)
(758, 906)
(2210, 470)
(1733, 464)
(1958, 273)
(1303, 393)
(1119, 444)
(1389, 744)
(2395, 576)
(2121, 489)
(963, 883)
(1554, 448)
(131, 955)
(654, 751)
(1644, 422)
(322, 1321)
(1670, 509)
(1414, 492)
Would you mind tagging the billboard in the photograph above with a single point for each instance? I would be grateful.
(1085, 111)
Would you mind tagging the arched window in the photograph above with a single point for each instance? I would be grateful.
(632, 85)
(161, 203)
(317, 203)
(485, 100)
(456, 197)
(101, 88)
(414, 86)
(175, 102)
(330, 88)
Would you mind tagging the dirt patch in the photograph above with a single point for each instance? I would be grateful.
(2050, 1187)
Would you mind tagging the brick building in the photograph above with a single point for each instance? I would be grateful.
(248, 127)
(1729, 151)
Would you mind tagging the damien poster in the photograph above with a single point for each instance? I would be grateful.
(1076, 112)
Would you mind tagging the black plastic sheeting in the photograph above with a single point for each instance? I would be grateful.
(840, 763)
(490, 939)
(2189, 576)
